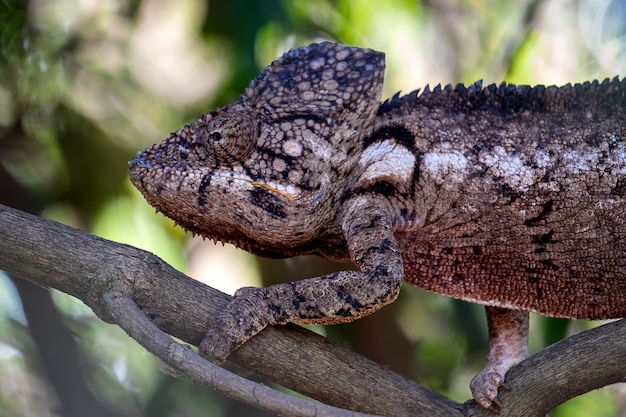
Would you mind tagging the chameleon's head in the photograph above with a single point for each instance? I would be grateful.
(266, 173)
(226, 177)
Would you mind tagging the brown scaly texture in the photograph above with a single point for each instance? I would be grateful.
(508, 196)
(518, 199)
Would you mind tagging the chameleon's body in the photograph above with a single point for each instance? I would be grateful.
(512, 197)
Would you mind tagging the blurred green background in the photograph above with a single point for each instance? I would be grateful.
(85, 84)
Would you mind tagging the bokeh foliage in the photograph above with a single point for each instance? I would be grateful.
(84, 84)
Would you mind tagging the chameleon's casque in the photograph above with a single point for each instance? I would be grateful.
(508, 196)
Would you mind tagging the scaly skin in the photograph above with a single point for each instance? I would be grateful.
(511, 197)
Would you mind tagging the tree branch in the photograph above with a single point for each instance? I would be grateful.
(185, 361)
(103, 274)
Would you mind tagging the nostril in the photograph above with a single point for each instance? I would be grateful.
(139, 162)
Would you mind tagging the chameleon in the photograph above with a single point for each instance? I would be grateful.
(513, 197)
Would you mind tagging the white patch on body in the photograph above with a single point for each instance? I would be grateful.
(450, 165)
(598, 159)
(576, 163)
(511, 168)
(542, 159)
(386, 159)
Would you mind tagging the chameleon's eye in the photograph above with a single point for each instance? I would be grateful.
(216, 136)
(230, 136)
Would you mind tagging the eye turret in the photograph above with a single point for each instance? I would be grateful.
(229, 136)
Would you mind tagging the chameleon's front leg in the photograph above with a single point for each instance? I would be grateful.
(508, 345)
(334, 298)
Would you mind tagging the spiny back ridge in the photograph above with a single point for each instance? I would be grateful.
(607, 96)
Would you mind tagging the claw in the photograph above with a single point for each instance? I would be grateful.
(240, 321)
(220, 341)
(484, 387)
(206, 349)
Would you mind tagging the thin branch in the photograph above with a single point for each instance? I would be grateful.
(184, 360)
(91, 268)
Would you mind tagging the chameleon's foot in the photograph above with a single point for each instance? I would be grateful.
(217, 343)
(241, 319)
(508, 335)
(484, 387)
